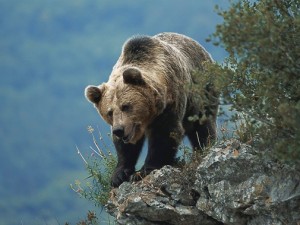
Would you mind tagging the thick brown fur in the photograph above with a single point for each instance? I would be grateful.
(146, 97)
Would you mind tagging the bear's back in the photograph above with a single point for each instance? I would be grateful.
(187, 46)
(139, 49)
(169, 56)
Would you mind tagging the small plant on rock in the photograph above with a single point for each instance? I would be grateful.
(100, 167)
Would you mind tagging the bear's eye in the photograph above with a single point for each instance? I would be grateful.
(110, 113)
(125, 108)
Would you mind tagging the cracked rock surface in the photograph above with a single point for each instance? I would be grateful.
(233, 184)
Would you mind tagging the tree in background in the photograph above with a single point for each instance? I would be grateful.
(261, 76)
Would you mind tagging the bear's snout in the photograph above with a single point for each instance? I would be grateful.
(118, 131)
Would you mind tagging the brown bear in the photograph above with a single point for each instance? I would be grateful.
(146, 96)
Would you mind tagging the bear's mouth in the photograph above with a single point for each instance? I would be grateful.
(129, 137)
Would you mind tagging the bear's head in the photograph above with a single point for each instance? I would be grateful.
(129, 104)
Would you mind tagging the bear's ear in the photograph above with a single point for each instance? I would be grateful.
(94, 93)
(133, 76)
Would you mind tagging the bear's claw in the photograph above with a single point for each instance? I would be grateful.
(143, 172)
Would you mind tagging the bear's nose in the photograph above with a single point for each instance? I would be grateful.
(118, 131)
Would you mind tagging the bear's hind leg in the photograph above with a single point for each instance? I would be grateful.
(202, 134)
(127, 157)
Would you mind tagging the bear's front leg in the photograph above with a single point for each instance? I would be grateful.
(164, 136)
(127, 158)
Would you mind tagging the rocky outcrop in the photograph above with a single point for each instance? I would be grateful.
(233, 184)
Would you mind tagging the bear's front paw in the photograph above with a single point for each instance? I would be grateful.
(120, 175)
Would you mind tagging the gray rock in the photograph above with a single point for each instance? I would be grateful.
(233, 184)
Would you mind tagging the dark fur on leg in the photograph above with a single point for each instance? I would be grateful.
(164, 136)
(127, 158)
(202, 134)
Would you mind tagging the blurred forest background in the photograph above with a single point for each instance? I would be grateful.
(49, 51)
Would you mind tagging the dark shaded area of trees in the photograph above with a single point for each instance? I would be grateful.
(260, 78)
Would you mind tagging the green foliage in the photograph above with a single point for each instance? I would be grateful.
(100, 168)
(260, 78)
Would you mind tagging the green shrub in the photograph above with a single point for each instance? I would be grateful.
(100, 167)
(261, 76)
